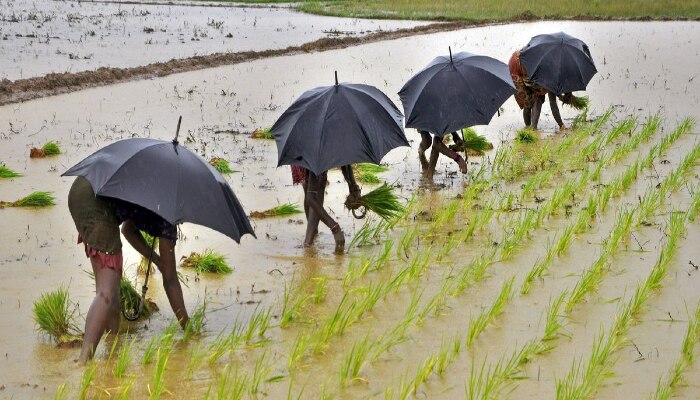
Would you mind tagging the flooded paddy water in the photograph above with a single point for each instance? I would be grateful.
(398, 350)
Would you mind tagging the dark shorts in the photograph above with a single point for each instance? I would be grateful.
(95, 218)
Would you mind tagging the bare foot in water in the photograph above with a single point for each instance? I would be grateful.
(339, 237)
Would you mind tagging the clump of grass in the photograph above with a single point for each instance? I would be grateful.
(366, 172)
(207, 262)
(36, 199)
(8, 173)
(262, 134)
(195, 325)
(221, 165)
(51, 149)
(280, 210)
(579, 103)
(368, 178)
(475, 144)
(525, 136)
(381, 201)
(55, 315)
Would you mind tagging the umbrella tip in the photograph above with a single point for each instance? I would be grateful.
(177, 131)
(336, 78)
(450, 49)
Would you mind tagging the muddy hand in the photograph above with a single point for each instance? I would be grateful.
(339, 237)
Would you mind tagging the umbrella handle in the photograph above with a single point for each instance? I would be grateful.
(144, 288)
(362, 213)
(177, 131)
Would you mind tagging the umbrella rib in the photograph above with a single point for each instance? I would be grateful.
(98, 192)
(362, 128)
(323, 127)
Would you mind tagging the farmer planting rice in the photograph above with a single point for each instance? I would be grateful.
(439, 147)
(97, 220)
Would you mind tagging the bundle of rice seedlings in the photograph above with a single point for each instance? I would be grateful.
(51, 149)
(36, 199)
(381, 201)
(282, 209)
(475, 144)
(55, 315)
(366, 172)
(526, 136)
(579, 103)
(8, 173)
(262, 134)
(207, 262)
(221, 165)
(129, 299)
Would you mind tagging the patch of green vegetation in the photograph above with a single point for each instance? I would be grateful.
(475, 143)
(483, 10)
(221, 165)
(525, 136)
(209, 261)
(55, 315)
(8, 173)
(577, 102)
(36, 199)
(381, 201)
(51, 149)
(370, 168)
(129, 299)
(281, 210)
(262, 134)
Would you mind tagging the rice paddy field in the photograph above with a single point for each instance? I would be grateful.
(565, 267)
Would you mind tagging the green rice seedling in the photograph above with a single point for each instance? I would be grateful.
(36, 199)
(397, 334)
(292, 304)
(445, 356)
(51, 149)
(55, 315)
(221, 345)
(479, 324)
(60, 392)
(475, 143)
(553, 323)
(381, 201)
(86, 381)
(257, 326)
(277, 211)
(370, 167)
(406, 241)
(370, 296)
(577, 102)
(164, 343)
(694, 205)
(221, 165)
(525, 136)
(477, 388)
(320, 289)
(368, 178)
(157, 387)
(580, 119)
(351, 365)
(8, 173)
(423, 371)
(301, 345)
(207, 262)
(260, 373)
(129, 299)
(262, 134)
(125, 393)
(195, 324)
(123, 358)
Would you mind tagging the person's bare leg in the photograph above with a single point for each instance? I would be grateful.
(536, 110)
(432, 164)
(103, 314)
(555, 110)
(422, 147)
(527, 116)
(314, 199)
(171, 284)
(442, 148)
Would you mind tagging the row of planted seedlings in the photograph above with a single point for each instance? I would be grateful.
(480, 264)
(414, 268)
(554, 320)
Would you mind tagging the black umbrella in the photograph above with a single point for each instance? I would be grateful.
(332, 126)
(169, 180)
(456, 92)
(558, 62)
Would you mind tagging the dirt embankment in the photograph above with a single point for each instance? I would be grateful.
(58, 83)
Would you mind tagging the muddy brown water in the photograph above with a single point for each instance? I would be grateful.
(644, 69)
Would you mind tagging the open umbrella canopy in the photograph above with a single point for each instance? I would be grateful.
(558, 62)
(456, 92)
(169, 180)
(337, 125)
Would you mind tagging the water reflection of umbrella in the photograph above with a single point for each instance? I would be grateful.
(558, 62)
(455, 92)
(332, 126)
(169, 180)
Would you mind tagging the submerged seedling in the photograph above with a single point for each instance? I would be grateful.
(277, 211)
